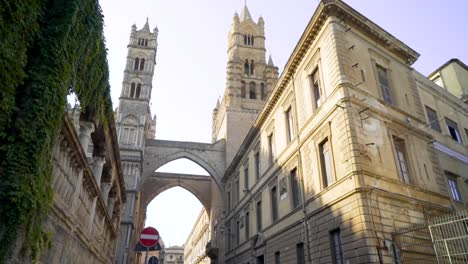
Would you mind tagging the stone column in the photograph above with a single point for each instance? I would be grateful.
(110, 205)
(86, 128)
(105, 189)
(91, 217)
(98, 164)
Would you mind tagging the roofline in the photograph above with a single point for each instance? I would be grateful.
(452, 60)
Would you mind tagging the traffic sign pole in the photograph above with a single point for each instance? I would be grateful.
(146, 257)
(149, 237)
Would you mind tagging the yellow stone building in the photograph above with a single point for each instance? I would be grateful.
(194, 248)
(351, 145)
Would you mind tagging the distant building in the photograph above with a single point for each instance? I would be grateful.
(452, 76)
(174, 255)
(195, 246)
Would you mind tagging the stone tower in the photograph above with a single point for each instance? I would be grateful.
(134, 124)
(249, 81)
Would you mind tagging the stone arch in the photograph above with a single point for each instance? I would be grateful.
(148, 194)
(187, 155)
(130, 120)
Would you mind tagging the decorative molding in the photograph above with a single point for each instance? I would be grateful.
(452, 153)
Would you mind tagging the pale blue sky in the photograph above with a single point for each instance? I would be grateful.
(191, 62)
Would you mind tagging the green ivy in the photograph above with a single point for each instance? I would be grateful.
(49, 49)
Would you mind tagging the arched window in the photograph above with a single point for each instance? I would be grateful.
(242, 89)
(262, 91)
(138, 91)
(132, 90)
(245, 39)
(146, 43)
(251, 67)
(252, 92)
(142, 64)
(252, 42)
(246, 67)
(136, 64)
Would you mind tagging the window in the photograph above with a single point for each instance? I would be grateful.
(289, 124)
(262, 91)
(453, 185)
(438, 80)
(252, 65)
(295, 190)
(384, 83)
(300, 253)
(257, 165)
(132, 90)
(246, 175)
(336, 249)
(242, 89)
(236, 191)
(277, 257)
(316, 89)
(252, 91)
(247, 225)
(142, 42)
(229, 234)
(237, 232)
(326, 163)
(402, 159)
(271, 150)
(260, 260)
(248, 40)
(228, 205)
(142, 64)
(432, 118)
(136, 64)
(259, 216)
(246, 67)
(453, 130)
(138, 91)
(274, 203)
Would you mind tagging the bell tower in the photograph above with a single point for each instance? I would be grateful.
(249, 81)
(134, 124)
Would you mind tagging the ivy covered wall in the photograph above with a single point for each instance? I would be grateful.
(48, 49)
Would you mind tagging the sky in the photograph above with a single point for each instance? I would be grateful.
(191, 63)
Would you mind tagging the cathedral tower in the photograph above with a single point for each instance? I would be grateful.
(249, 81)
(134, 124)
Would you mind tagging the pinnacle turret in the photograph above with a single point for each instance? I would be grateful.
(245, 14)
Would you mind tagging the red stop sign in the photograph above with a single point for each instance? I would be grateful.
(149, 237)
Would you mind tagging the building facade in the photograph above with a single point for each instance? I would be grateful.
(351, 145)
(134, 124)
(174, 255)
(89, 192)
(195, 246)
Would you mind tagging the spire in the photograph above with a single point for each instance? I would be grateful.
(270, 61)
(146, 27)
(245, 14)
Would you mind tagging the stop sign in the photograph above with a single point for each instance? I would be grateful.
(149, 237)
